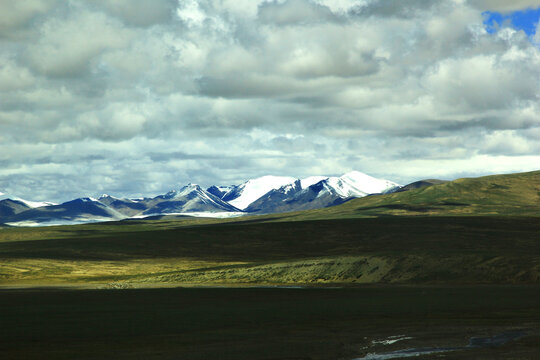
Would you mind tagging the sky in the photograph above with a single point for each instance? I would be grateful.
(526, 20)
(135, 97)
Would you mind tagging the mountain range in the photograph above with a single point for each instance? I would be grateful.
(263, 195)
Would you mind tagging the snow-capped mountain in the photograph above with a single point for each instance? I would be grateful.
(307, 182)
(267, 194)
(189, 199)
(30, 204)
(220, 191)
(244, 194)
(76, 211)
(12, 205)
(313, 194)
(357, 184)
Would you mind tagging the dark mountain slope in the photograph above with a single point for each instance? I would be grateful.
(78, 210)
(191, 198)
(10, 207)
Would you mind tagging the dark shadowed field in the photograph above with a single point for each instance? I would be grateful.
(264, 323)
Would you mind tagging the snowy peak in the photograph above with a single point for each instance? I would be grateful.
(194, 191)
(357, 184)
(312, 180)
(318, 192)
(190, 198)
(190, 188)
(266, 194)
(37, 204)
(109, 198)
(220, 191)
(251, 190)
(184, 191)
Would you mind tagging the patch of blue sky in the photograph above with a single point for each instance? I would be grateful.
(526, 20)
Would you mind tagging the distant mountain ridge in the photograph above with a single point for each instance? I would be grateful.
(71, 212)
(27, 203)
(314, 193)
(263, 195)
(128, 207)
(10, 207)
(189, 199)
(244, 194)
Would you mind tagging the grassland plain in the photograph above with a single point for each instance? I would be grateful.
(438, 264)
(409, 250)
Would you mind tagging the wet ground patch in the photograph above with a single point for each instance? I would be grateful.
(474, 343)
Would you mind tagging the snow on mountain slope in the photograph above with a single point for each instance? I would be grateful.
(30, 204)
(37, 204)
(220, 191)
(357, 184)
(243, 195)
(313, 194)
(267, 194)
(307, 182)
(76, 211)
(295, 186)
(190, 198)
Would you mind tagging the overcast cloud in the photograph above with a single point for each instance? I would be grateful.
(134, 97)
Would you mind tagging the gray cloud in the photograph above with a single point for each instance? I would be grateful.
(394, 8)
(71, 45)
(295, 12)
(136, 97)
(139, 12)
(503, 5)
(16, 17)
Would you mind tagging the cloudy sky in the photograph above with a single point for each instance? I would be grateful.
(135, 97)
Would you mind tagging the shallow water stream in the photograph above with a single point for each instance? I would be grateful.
(474, 343)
